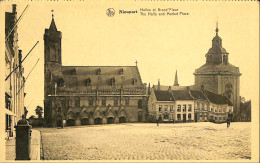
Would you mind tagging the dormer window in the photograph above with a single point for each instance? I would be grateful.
(88, 82)
(60, 83)
(113, 82)
(134, 81)
(98, 71)
(121, 71)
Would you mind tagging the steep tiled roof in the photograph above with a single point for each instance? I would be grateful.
(77, 76)
(196, 94)
(181, 95)
(163, 96)
(220, 68)
(217, 99)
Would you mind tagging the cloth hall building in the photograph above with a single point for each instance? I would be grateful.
(81, 95)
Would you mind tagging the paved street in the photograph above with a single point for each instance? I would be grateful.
(146, 141)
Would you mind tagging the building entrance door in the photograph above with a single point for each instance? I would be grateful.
(122, 120)
(59, 123)
(98, 121)
(110, 120)
(184, 117)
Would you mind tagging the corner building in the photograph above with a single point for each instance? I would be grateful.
(14, 74)
(218, 75)
(82, 95)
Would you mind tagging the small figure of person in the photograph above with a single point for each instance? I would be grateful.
(157, 122)
(228, 123)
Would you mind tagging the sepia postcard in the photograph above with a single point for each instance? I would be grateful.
(129, 81)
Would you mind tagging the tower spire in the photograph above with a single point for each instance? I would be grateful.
(53, 25)
(159, 85)
(176, 79)
(52, 14)
(217, 27)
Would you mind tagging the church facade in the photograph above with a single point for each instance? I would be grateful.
(218, 75)
(82, 95)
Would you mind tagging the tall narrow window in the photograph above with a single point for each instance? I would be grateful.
(160, 108)
(171, 108)
(127, 101)
(140, 104)
(90, 102)
(189, 116)
(179, 117)
(190, 107)
(103, 102)
(88, 82)
(184, 108)
(77, 102)
(113, 82)
(115, 102)
(166, 108)
(179, 108)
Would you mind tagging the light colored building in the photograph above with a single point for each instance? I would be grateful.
(188, 106)
(81, 95)
(14, 85)
(161, 106)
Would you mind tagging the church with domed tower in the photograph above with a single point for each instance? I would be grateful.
(82, 95)
(218, 75)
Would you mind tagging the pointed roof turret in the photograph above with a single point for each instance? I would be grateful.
(176, 79)
(53, 25)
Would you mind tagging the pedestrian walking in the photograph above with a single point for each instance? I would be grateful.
(228, 123)
(157, 122)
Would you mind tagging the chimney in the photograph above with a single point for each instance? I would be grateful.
(14, 8)
(20, 60)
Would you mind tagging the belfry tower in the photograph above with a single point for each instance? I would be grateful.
(218, 75)
(52, 65)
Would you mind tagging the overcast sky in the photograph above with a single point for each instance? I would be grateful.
(160, 44)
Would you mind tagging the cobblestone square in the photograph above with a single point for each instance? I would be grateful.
(146, 141)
